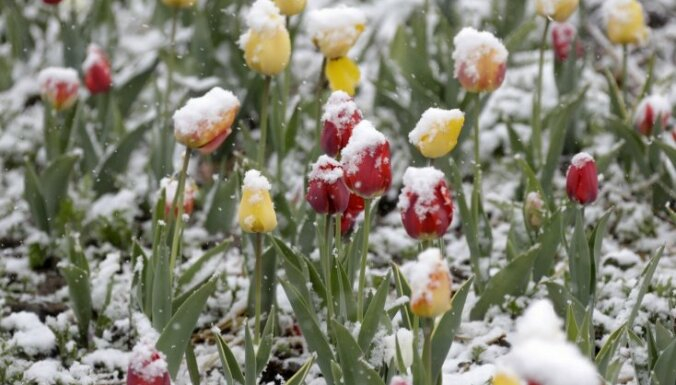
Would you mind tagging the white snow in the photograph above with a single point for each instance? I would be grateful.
(364, 138)
(418, 275)
(147, 362)
(471, 44)
(170, 186)
(339, 108)
(111, 359)
(405, 339)
(660, 106)
(121, 203)
(420, 182)
(30, 334)
(431, 122)
(264, 17)
(326, 169)
(540, 321)
(94, 55)
(335, 24)
(255, 181)
(616, 10)
(580, 159)
(49, 77)
(204, 111)
(47, 372)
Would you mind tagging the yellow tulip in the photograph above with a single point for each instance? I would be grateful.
(437, 132)
(480, 60)
(559, 10)
(430, 282)
(179, 3)
(256, 210)
(343, 75)
(290, 7)
(624, 21)
(502, 378)
(266, 45)
(335, 30)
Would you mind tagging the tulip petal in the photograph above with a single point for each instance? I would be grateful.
(343, 75)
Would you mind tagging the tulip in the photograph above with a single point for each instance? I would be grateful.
(290, 7)
(425, 203)
(335, 30)
(96, 68)
(534, 210)
(437, 132)
(480, 60)
(327, 192)
(147, 366)
(59, 87)
(505, 378)
(256, 211)
(205, 122)
(652, 109)
(179, 3)
(51, 2)
(563, 36)
(355, 206)
(624, 21)
(366, 161)
(266, 45)
(582, 183)
(170, 186)
(399, 380)
(430, 282)
(558, 10)
(343, 75)
(341, 114)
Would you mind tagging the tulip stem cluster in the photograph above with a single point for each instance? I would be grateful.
(537, 99)
(328, 264)
(178, 210)
(264, 121)
(364, 254)
(258, 276)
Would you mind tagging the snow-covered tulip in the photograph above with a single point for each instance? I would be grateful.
(480, 60)
(335, 30)
(558, 10)
(341, 114)
(425, 203)
(290, 7)
(504, 377)
(582, 183)
(652, 109)
(96, 68)
(366, 161)
(266, 44)
(256, 210)
(355, 206)
(59, 87)
(437, 132)
(170, 187)
(625, 23)
(563, 36)
(51, 2)
(534, 210)
(205, 122)
(179, 3)
(343, 75)
(399, 380)
(430, 281)
(147, 366)
(327, 192)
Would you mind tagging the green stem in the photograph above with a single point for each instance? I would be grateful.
(328, 263)
(264, 122)
(318, 97)
(258, 272)
(364, 254)
(177, 208)
(537, 101)
(477, 154)
(163, 162)
(625, 56)
(337, 237)
(428, 326)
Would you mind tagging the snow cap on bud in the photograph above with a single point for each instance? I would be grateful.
(205, 122)
(59, 87)
(327, 192)
(170, 187)
(403, 338)
(147, 366)
(425, 203)
(558, 10)
(340, 116)
(290, 7)
(563, 36)
(399, 380)
(480, 60)
(582, 183)
(96, 68)
(366, 161)
(256, 211)
(539, 321)
(335, 30)
(437, 132)
(430, 282)
(266, 44)
(355, 205)
(652, 109)
(534, 210)
(625, 23)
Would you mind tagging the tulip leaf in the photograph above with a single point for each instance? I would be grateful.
(647, 275)
(221, 206)
(375, 311)
(54, 180)
(580, 263)
(299, 377)
(608, 351)
(634, 144)
(80, 294)
(128, 92)
(668, 150)
(191, 364)
(229, 363)
(664, 372)
(295, 268)
(249, 359)
(162, 298)
(596, 237)
(403, 290)
(617, 106)
(35, 198)
(348, 306)
(549, 242)
(349, 354)
(265, 346)
(190, 273)
(518, 36)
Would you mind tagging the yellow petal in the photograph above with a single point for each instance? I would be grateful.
(268, 53)
(290, 7)
(502, 378)
(256, 211)
(626, 24)
(442, 139)
(343, 75)
(560, 10)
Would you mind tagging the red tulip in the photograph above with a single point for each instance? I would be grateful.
(51, 2)
(425, 203)
(327, 192)
(147, 366)
(170, 185)
(366, 161)
(355, 206)
(563, 35)
(649, 111)
(96, 68)
(341, 114)
(582, 183)
(59, 86)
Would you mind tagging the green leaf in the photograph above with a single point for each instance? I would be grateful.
(35, 198)
(221, 206)
(80, 295)
(195, 268)
(562, 299)
(191, 363)
(127, 93)
(580, 263)
(349, 354)
(617, 105)
(608, 351)
(634, 147)
(403, 289)
(668, 150)
(162, 298)
(295, 268)
(229, 363)
(519, 35)
(549, 242)
(664, 372)
(647, 274)
(299, 377)
(265, 346)
(348, 306)
(54, 181)
(596, 238)
(375, 310)
(249, 359)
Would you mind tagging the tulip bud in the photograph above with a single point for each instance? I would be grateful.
(652, 109)
(290, 7)
(179, 3)
(437, 132)
(534, 210)
(205, 122)
(256, 211)
(327, 192)
(355, 205)
(399, 380)
(559, 10)
(335, 30)
(266, 45)
(430, 282)
(170, 186)
(366, 161)
(624, 21)
(97, 70)
(582, 183)
(147, 366)
(51, 2)
(425, 203)
(480, 60)
(563, 36)
(59, 87)
(341, 114)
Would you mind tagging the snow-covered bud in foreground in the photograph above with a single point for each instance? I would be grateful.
(425, 203)
(59, 87)
(335, 30)
(563, 36)
(205, 122)
(355, 205)
(652, 109)
(534, 209)
(480, 60)
(582, 183)
(624, 21)
(96, 68)
(341, 114)
(179, 3)
(437, 132)
(266, 45)
(170, 186)
(430, 282)
(366, 161)
(399, 380)
(290, 7)
(327, 192)
(147, 366)
(404, 338)
(256, 211)
(558, 10)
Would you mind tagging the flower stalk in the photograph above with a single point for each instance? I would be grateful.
(258, 277)
(178, 210)
(537, 100)
(264, 121)
(364, 254)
